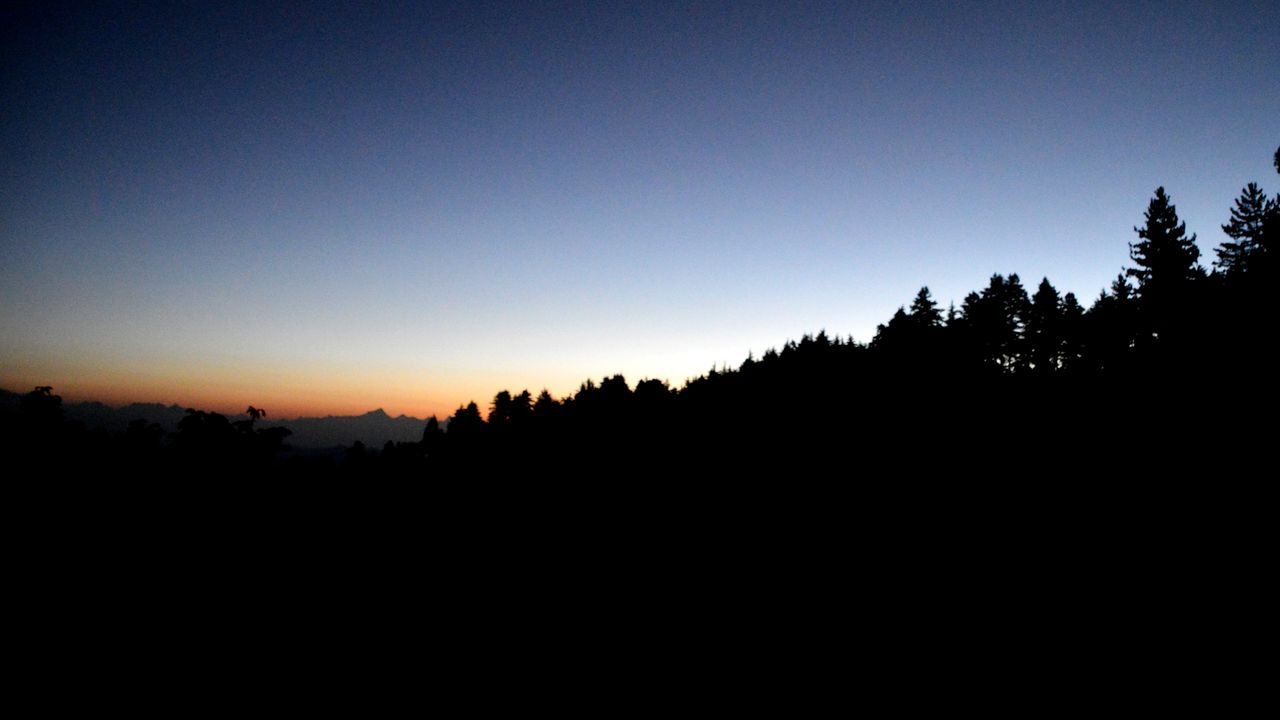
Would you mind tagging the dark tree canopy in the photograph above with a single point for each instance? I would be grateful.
(996, 321)
(466, 420)
(545, 406)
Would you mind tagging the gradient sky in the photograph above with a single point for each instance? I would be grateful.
(336, 207)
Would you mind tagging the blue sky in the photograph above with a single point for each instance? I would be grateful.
(336, 207)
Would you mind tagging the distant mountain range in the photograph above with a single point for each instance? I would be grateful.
(373, 428)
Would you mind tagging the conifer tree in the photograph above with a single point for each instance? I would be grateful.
(924, 311)
(545, 406)
(1044, 329)
(995, 322)
(1167, 259)
(1072, 333)
(466, 420)
(1167, 271)
(1111, 327)
(431, 435)
(894, 333)
(1245, 228)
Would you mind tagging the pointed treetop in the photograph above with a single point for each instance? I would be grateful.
(1120, 287)
(1046, 295)
(924, 310)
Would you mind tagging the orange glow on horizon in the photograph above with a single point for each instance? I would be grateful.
(312, 394)
(316, 392)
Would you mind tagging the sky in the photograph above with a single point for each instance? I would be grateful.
(325, 208)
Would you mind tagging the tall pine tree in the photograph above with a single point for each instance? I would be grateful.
(1246, 231)
(924, 311)
(1044, 329)
(1166, 257)
(1167, 269)
(994, 322)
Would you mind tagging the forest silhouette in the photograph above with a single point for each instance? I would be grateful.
(1165, 370)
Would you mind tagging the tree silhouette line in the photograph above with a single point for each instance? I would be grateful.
(1010, 383)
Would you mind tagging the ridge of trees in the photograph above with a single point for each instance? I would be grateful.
(1162, 324)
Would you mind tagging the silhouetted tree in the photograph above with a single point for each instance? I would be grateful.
(924, 311)
(1073, 334)
(466, 421)
(246, 426)
(1267, 259)
(521, 408)
(894, 334)
(615, 390)
(41, 408)
(500, 411)
(911, 342)
(653, 392)
(431, 435)
(1044, 329)
(545, 407)
(1167, 259)
(994, 322)
(1167, 270)
(1111, 327)
(1246, 231)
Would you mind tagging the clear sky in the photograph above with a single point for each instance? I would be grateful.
(336, 207)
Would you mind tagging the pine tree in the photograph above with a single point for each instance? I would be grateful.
(466, 420)
(895, 333)
(1016, 306)
(994, 322)
(1167, 272)
(1044, 329)
(924, 311)
(1167, 259)
(1111, 327)
(431, 435)
(1121, 290)
(1246, 230)
(545, 406)
(1072, 333)
(500, 410)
